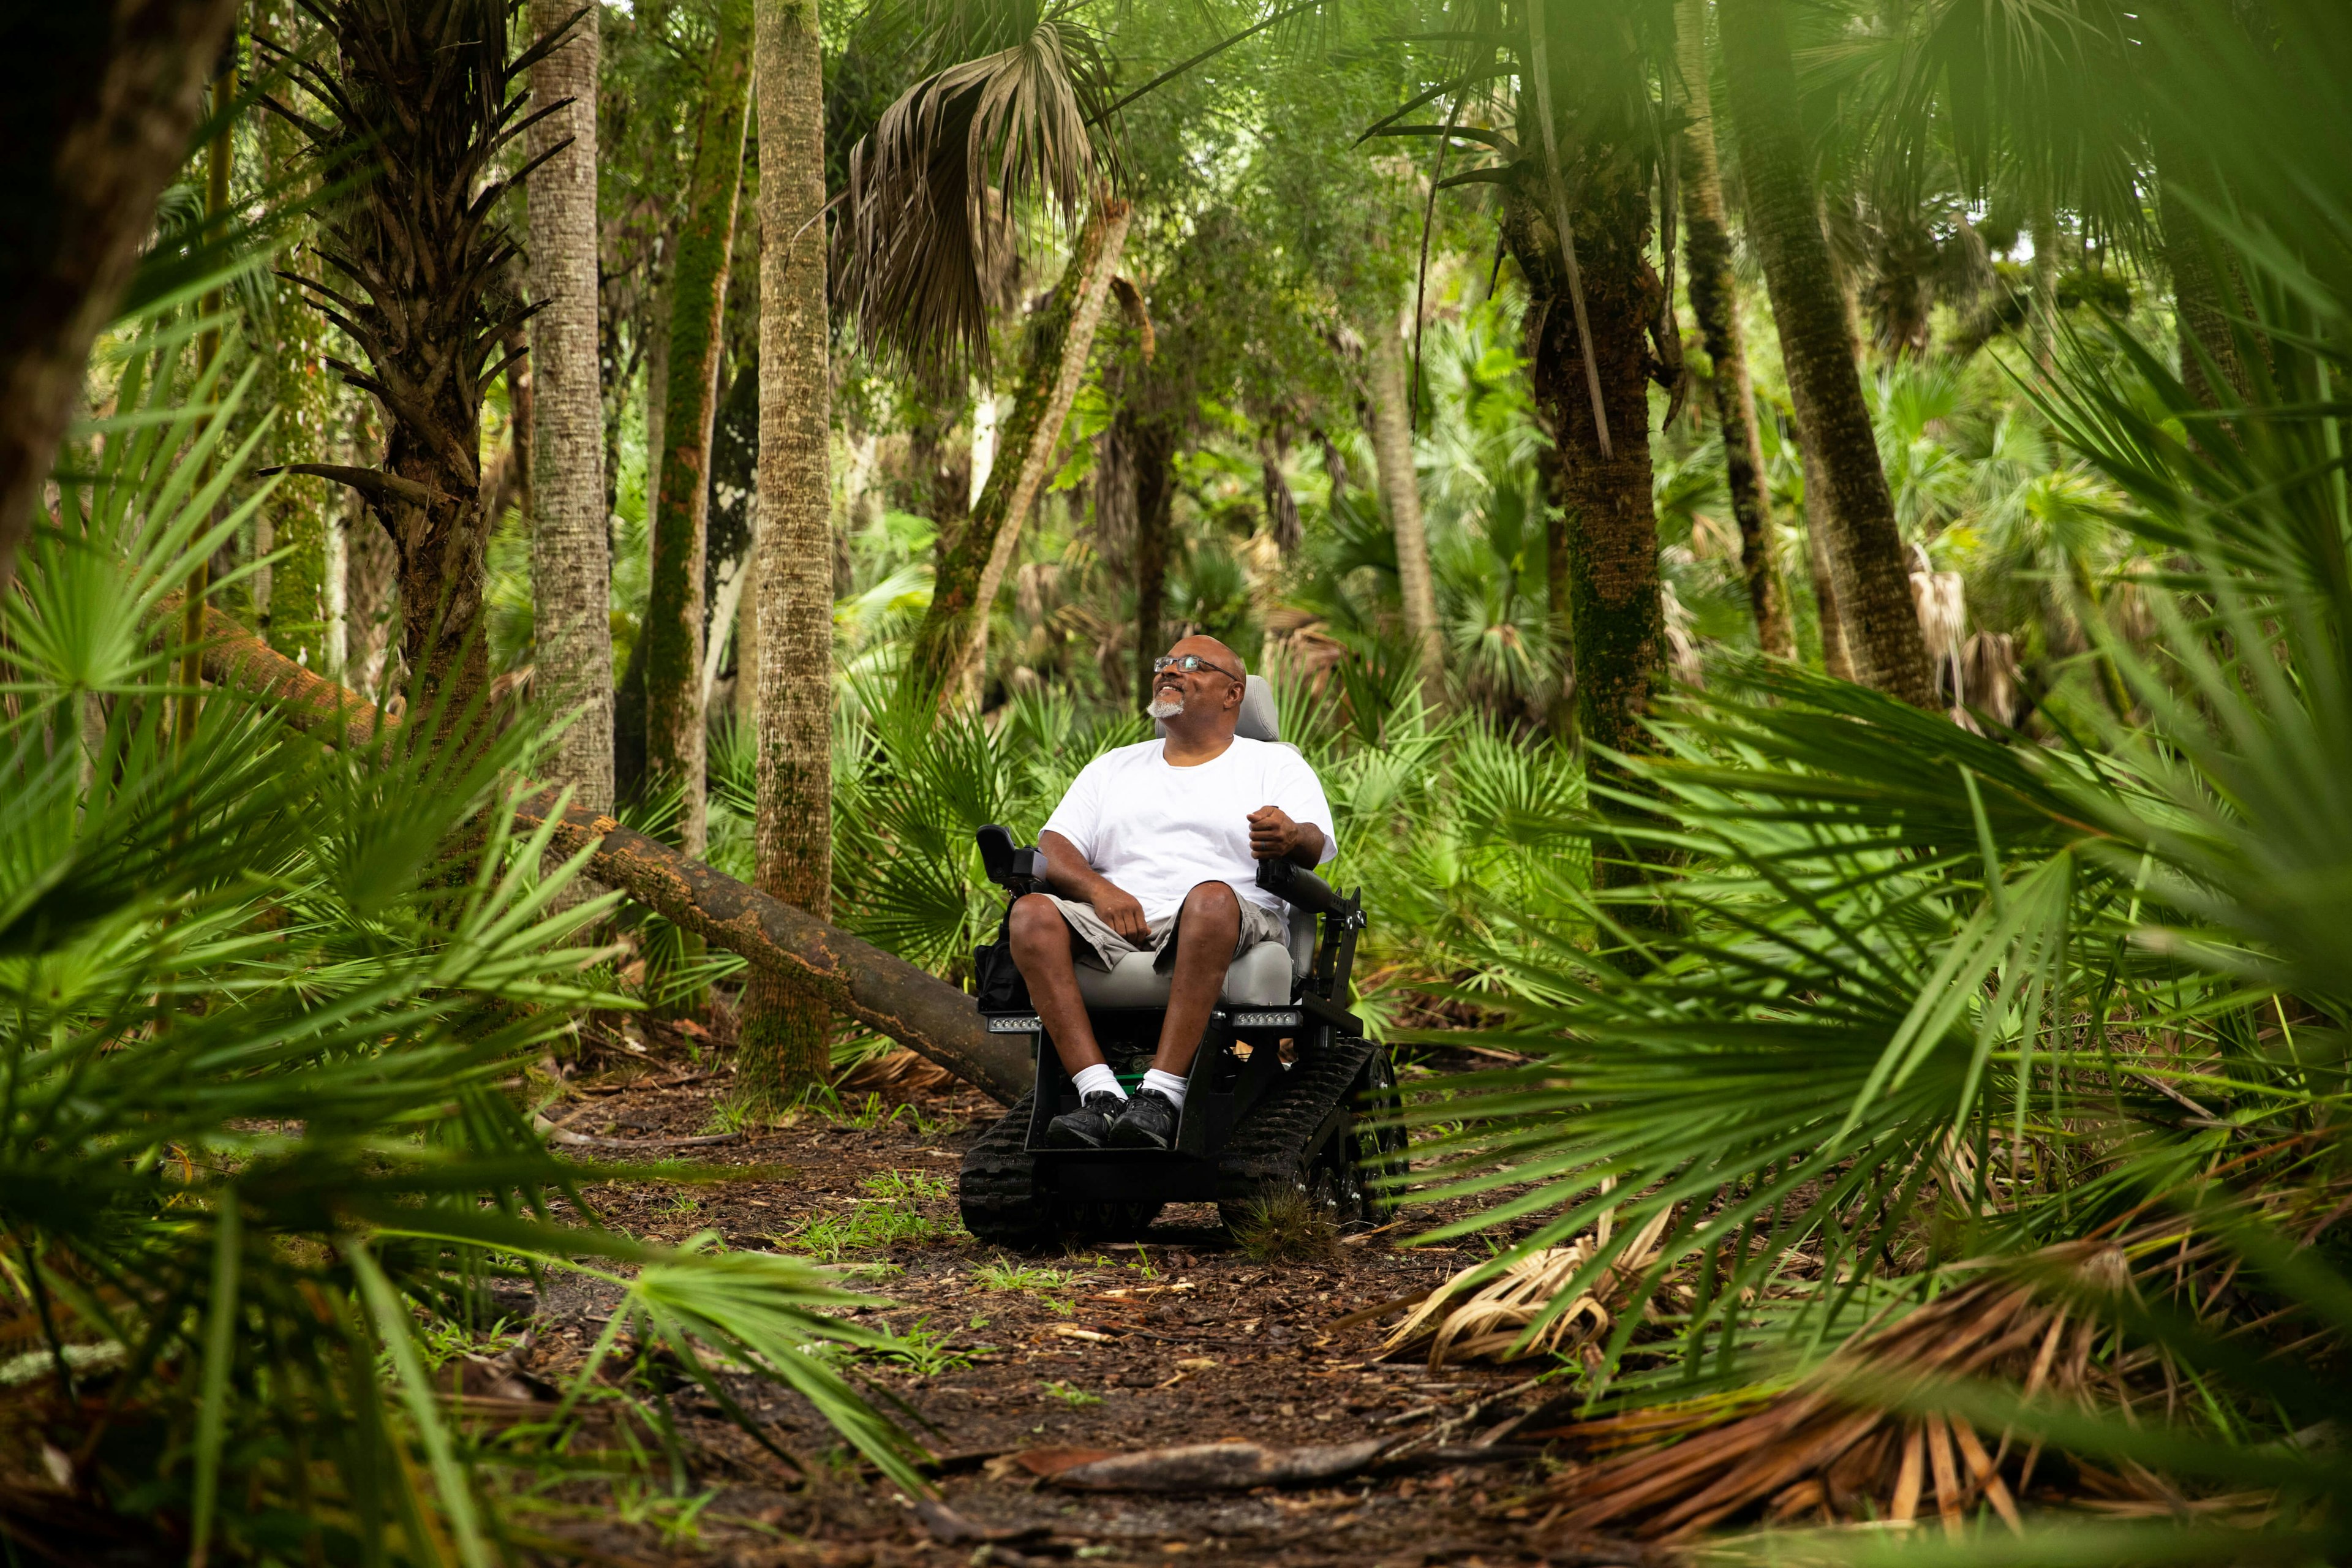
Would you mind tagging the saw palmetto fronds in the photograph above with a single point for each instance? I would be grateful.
(1518, 1313)
(262, 1006)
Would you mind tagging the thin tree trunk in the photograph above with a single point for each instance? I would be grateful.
(570, 554)
(674, 736)
(1715, 300)
(1274, 486)
(91, 129)
(1837, 661)
(1060, 336)
(1152, 447)
(1037, 453)
(1873, 583)
(2045, 282)
(784, 1046)
(1391, 435)
(1559, 713)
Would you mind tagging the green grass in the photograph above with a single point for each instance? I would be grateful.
(889, 1218)
(1048, 1285)
(1076, 1398)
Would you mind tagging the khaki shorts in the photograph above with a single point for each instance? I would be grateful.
(1104, 947)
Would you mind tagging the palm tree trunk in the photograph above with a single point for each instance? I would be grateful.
(2045, 282)
(1715, 300)
(1060, 337)
(1559, 614)
(1837, 659)
(1151, 449)
(1391, 435)
(1874, 585)
(675, 741)
(2200, 306)
(1077, 343)
(571, 554)
(1615, 615)
(784, 1046)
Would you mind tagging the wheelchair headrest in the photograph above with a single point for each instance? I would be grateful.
(1259, 720)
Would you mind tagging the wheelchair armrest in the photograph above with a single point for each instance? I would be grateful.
(1017, 870)
(1301, 889)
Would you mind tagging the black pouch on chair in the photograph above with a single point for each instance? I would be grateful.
(996, 980)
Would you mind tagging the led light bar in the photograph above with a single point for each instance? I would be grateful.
(1027, 1026)
(1286, 1018)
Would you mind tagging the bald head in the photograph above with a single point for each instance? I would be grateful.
(1200, 707)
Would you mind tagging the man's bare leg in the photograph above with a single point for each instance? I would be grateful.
(1043, 951)
(1205, 938)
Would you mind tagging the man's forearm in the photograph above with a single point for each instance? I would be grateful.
(1310, 850)
(1066, 872)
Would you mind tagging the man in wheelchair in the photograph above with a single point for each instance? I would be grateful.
(1155, 848)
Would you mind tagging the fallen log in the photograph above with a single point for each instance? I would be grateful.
(879, 989)
(1215, 1467)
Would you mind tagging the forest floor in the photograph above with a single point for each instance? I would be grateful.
(1182, 1339)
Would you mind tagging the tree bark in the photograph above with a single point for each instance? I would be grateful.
(1559, 614)
(1615, 615)
(1060, 335)
(784, 1046)
(1151, 449)
(91, 129)
(1391, 435)
(2044, 323)
(2200, 306)
(1036, 455)
(1715, 300)
(1873, 586)
(1837, 659)
(675, 742)
(571, 549)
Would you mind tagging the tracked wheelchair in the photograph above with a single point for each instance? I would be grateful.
(1286, 1096)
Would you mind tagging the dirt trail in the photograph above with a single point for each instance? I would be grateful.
(1183, 1339)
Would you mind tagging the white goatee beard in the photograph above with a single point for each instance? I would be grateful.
(1165, 706)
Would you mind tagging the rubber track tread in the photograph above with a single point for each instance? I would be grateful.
(997, 1188)
(1268, 1150)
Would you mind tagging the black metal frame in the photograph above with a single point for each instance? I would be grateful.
(1240, 1059)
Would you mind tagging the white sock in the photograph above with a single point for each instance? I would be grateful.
(1167, 1083)
(1097, 1079)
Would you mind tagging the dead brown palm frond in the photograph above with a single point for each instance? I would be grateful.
(935, 188)
(1829, 1448)
(1493, 1322)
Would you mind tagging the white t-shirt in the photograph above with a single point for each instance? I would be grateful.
(1158, 832)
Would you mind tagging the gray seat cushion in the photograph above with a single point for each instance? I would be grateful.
(1258, 978)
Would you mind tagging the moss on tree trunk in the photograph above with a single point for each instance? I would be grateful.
(675, 743)
(1062, 329)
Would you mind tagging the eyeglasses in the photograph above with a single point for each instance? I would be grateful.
(1187, 663)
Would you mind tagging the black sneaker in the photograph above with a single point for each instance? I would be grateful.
(1083, 1127)
(1148, 1122)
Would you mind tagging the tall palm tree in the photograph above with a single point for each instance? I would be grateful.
(675, 731)
(1706, 253)
(1574, 173)
(424, 97)
(1002, 120)
(1873, 582)
(784, 1026)
(570, 558)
